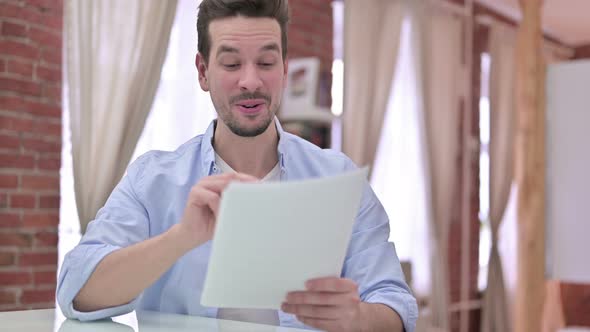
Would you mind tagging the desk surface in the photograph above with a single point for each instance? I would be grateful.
(145, 321)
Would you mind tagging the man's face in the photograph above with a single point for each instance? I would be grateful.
(245, 74)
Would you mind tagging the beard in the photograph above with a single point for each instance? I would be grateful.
(232, 122)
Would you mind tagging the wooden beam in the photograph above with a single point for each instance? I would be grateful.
(530, 169)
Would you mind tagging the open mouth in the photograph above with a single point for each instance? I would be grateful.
(251, 106)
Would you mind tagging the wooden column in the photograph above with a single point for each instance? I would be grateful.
(530, 169)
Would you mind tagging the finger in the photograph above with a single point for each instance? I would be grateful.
(217, 185)
(245, 177)
(322, 298)
(206, 198)
(312, 311)
(331, 284)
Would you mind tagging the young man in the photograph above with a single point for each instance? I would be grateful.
(148, 247)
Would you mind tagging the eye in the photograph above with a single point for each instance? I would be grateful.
(231, 65)
(266, 64)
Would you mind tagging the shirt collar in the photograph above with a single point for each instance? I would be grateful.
(208, 153)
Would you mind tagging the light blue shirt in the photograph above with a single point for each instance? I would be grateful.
(151, 198)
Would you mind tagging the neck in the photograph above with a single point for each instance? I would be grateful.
(255, 156)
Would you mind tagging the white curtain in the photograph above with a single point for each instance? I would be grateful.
(371, 41)
(114, 55)
(502, 46)
(398, 174)
(439, 41)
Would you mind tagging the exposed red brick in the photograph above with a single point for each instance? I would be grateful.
(46, 239)
(19, 49)
(45, 37)
(44, 5)
(15, 123)
(9, 219)
(3, 202)
(40, 182)
(15, 239)
(8, 181)
(44, 277)
(49, 202)
(41, 145)
(24, 13)
(37, 306)
(51, 55)
(16, 160)
(13, 29)
(9, 142)
(11, 278)
(38, 259)
(49, 74)
(40, 220)
(11, 103)
(52, 92)
(30, 146)
(22, 68)
(38, 296)
(25, 201)
(7, 258)
(20, 86)
(45, 110)
(48, 129)
(8, 296)
(52, 21)
(49, 163)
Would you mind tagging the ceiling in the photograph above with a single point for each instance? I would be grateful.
(565, 20)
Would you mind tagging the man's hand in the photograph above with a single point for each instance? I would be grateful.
(202, 206)
(329, 304)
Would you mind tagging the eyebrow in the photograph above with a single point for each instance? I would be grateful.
(226, 49)
(270, 47)
(229, 49)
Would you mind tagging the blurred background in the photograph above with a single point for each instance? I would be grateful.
(469, 114)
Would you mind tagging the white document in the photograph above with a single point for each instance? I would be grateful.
(568, 185)
(272, 237)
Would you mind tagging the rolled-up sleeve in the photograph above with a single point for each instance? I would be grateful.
(372, 262)
(122, 221)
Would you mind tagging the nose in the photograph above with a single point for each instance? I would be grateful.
(250, 79)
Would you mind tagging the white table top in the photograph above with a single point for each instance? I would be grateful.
(145, 321)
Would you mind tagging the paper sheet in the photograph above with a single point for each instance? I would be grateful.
(272, 237)
(567, 205)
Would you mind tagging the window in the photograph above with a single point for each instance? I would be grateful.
(485, 234)
(398, 178)
(180, 111)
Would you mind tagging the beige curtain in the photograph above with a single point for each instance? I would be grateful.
(439, 39)
(502, 43)
(114, 55)
(371, 41)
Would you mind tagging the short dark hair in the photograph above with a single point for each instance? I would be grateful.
(210, 10)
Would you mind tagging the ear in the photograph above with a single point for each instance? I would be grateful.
(286, 70)
(201, 65)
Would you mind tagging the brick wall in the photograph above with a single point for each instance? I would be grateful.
(30, 145)
(311, 34)
(30, 135)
